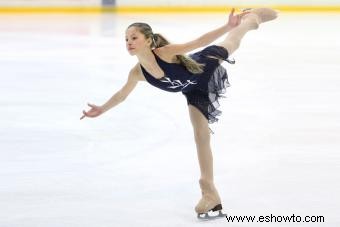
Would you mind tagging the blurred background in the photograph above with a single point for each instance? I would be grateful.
(62, 6)
(276, 145)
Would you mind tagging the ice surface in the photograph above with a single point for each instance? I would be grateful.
(276, 146)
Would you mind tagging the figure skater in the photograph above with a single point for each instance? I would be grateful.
(199, 76)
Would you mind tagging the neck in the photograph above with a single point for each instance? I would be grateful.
(146, 57)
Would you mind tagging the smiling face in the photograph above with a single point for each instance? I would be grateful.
(136, 41)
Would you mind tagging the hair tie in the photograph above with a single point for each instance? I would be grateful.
(153, 40)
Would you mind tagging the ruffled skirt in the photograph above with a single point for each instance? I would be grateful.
(212, 83)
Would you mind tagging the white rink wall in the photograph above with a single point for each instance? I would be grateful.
(230, 2)
(23, 3)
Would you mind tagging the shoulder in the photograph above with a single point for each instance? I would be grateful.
(179, 49)
(166, 54)
(136, 73)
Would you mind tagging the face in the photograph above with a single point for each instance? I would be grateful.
(136, 41)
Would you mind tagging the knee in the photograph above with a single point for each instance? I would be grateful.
(231, 46)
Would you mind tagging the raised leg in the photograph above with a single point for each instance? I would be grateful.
(210, 198)
(250, 21)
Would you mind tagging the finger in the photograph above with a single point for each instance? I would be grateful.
(92, 105)
(232, 11)
(244, 13)
(84, 114)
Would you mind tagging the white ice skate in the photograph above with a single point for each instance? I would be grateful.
(210, 203)
(263, 14)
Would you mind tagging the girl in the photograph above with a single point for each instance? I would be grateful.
(200, 77)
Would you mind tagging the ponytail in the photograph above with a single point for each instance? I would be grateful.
(159, 41)
(191, 65)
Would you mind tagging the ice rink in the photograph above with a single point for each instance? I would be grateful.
(276, 146)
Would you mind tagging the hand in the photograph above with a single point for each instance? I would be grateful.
(235, 20)
(95, 111)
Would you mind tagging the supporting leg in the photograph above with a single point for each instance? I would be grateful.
(210, 198)
(202, 139)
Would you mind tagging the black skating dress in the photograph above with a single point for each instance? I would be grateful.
(201, 90)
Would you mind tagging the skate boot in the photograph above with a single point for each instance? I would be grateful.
(263, 14)
(210, 201)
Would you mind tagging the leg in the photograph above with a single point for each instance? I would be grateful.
(249, 22)
(210, 198)
(202, 139)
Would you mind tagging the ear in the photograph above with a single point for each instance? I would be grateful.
(149, 41)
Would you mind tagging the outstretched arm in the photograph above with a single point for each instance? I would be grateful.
(205, 39)
(117, 98)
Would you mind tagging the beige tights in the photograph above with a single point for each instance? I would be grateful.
(210, 197)
(249, 22)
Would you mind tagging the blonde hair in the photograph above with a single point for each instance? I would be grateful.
(159, 41)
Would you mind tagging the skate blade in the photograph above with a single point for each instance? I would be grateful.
(246, 9)
(208, 216)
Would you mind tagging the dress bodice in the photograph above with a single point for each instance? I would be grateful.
(176, 77)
